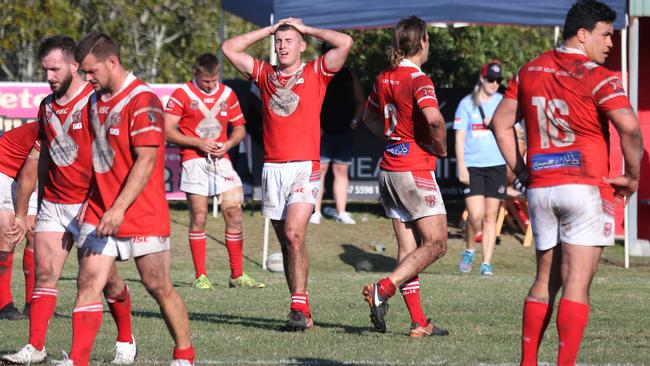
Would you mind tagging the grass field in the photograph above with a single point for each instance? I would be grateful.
(238, 326)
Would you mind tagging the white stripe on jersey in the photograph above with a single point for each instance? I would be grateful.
(146, 109)
(146, 129)
(417, 74)
(602, 83)
(236, 118)
(426, 97)
(610, 97)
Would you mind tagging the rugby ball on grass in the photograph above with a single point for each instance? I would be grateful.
(274, 262)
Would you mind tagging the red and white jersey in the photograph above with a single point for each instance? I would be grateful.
(399, 95)
(291, 107)
(130, 118)
(65, 130)
(563, 96)
(204, 115)
(15, 146)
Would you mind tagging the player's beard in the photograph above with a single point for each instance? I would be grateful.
(63, 88)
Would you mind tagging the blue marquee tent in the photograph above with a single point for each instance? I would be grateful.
(348, 14)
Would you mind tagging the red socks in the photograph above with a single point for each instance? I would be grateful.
(6, 264)
(386, 288)
(28, 270)
(411, 292)
(42, 307)
(183, 354)
(300, 302)
(572, 318)
(86, 321)
(535, 320)
(197, 246)
(120, 306)
(235, 246)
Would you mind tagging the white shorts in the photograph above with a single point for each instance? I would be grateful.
(208, 177)
(121, 247)
(286, 183)
(8, 195)
(59, 218)
(572, 214)
(410, 196)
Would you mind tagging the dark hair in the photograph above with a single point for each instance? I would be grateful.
(407, 35)
(207, 62)
(585, 14)
(63, 43)
(286, 27)
(99, 45)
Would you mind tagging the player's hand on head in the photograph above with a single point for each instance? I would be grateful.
(624, 186)
(110, 222)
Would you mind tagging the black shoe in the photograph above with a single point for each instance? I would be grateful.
(378, 306)
(298, 322)
(9, 312)
(27, 310)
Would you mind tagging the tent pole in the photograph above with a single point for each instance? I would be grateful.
(267, 221)
(631, 208)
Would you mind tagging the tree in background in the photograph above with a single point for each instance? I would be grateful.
(161, 38)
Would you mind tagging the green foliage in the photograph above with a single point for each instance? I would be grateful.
(160, 39)
(455, 54)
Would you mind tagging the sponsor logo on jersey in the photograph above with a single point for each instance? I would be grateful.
(567, 159)
(62, 111)
(103, 109)
(399, 149)
(209, 100)
(76, 126)
(114, 131)
(152, 117)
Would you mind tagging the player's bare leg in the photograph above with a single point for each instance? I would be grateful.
(489, 227)
(154, 271)
(317, 215)
(340, 187)
(538, 306)
(433, 235)
(29, 263)
(476, 210)
(198, 206)
(231, 208)
(94, 271)
(291, 233)
(421, 242)
(7, 246)
(579, 266)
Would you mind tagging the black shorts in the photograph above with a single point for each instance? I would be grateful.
(489, 181)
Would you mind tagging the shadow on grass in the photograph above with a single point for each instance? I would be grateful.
(276, 325)
(355, 257)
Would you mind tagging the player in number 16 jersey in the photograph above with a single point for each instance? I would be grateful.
(566, 98)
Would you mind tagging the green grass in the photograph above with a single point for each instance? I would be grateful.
(237, 326)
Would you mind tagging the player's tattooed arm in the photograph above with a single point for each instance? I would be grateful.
(437, 130)
(503, 121)
(627, 125)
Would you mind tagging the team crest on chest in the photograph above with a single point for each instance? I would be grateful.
(194, 104)
(115, 119)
